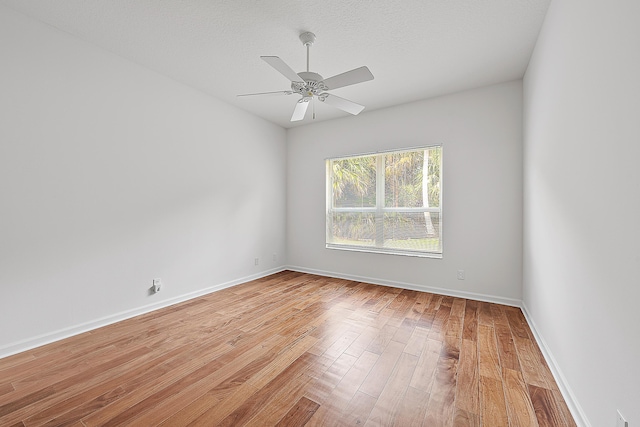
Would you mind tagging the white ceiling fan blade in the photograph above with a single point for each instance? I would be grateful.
(279, 92)
(282, 67)
(352, 77)
(300, 110)
(342, 104)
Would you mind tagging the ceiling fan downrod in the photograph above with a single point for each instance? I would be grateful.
(307, 40)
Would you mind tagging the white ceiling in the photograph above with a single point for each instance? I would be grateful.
(416, 49)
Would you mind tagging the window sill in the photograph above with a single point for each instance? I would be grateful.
(384, 251)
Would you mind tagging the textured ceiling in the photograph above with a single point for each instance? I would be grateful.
(415, 48)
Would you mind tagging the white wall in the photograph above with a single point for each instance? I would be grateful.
(481, 133)
(112, 175)
(582, 201)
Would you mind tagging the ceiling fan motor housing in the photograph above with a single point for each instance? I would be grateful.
(311, 86)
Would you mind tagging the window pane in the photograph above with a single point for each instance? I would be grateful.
(413, 231)
(406, 183)
(433, 166)
(354, 182)
(403, 179)
(353, 228)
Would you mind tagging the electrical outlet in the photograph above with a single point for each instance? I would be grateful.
(257, 261)
(620, 421)
(460, 274)
(157, 285)
(275, 257)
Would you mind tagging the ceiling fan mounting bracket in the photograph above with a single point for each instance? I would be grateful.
(307, 38)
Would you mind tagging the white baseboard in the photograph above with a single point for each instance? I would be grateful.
(30, 343)
(576, 410)
(394, 284)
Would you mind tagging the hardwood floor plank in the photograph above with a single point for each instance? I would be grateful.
(282, 362)
(104, 392)
(280, 403)
(353, 379)
(379, 374)
(506, 347)
(548, 412)
(6, 388)
(417, 341)
(429, 314)
(468, 385)
(387, 408)
(488, 358)
(15, 360)
(39, 373)
(421, 302)
(443, 393)
(437, 330)
(61, 389)
(288, 382)
(232, 378)
(517, 322)
(382, 339)
(413, 408)
(452, 337)
(493, 409)
(301, 412)
(25, 401)
(530, 362)
(485, 317)
(336, 349)
(292, 349)
(405, 330)
(519, 406)
(137, 397)
(325, 384)
(76, 414)
(458, 308)
(425, 370)
(357, 412)
(470, 323)
(340, 397)
(161, 395)
(360, 344)
(462, 418)
(564, 409)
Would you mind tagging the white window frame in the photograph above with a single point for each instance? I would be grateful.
(379, 210)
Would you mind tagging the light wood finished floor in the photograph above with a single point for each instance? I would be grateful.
(293, 349)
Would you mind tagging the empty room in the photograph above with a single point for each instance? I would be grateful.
(305, 213)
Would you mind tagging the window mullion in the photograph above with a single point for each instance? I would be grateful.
(380, 178)
(329, 202)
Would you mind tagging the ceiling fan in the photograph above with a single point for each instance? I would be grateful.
(312, 85)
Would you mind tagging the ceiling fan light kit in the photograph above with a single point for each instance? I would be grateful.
(312, 85)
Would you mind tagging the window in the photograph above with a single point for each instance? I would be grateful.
(387, 202)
